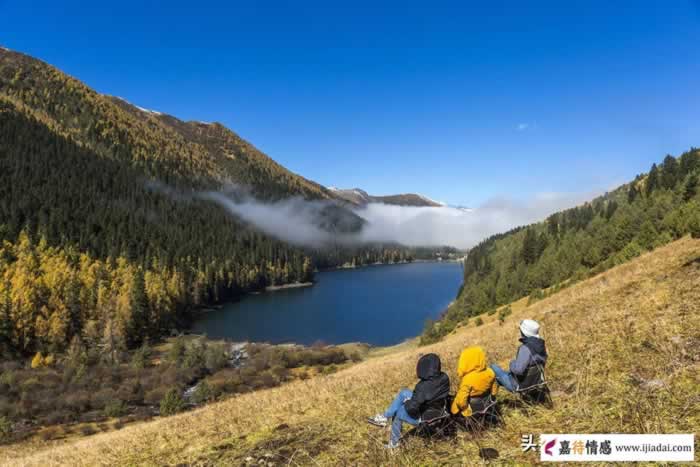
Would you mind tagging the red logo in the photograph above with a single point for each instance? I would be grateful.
(549, 445)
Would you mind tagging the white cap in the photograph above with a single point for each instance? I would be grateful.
(530, 328)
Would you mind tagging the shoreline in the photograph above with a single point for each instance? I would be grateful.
(297, 285)
(369, 265)
(293, 285)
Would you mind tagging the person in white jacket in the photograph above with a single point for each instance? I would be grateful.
(532, 351)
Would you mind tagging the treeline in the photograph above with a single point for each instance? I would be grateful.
(571, 245)
(356, 256)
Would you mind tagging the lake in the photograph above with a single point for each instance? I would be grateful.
(379, 305)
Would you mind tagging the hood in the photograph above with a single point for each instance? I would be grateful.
(428, 366)
(471, 359)
(536, 345)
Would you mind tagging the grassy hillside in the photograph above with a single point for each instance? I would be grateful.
(652, 210)
(624, 357)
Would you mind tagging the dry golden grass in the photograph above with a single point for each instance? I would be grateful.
(624, 356)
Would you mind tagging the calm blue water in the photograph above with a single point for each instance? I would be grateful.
(380, 305)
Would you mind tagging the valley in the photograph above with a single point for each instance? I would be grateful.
(625, 337)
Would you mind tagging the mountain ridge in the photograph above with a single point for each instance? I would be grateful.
(361, 198)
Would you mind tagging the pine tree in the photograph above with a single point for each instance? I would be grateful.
(691, 188)
(139, 325)
(111, 344)
(689, 161)
(553, 225)
(669, 175)
(5, 321)
(610, 209)
(530, 246)
(632, 193)
(652, 180)
(647, 236)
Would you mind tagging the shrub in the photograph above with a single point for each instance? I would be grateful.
(355, 357)
(631, 250)
(215, 357)
(431, 332)
(101, 398)
(503, 313)
(5, 427)
(30, 384)
(114, 409)
(478, 321)
(154, 396)
(202, 393)
(8, 380)
(141, 357)
(536, 294)
(195, 354)
(177, 350)
(172, 403)
(694, 226)
(130, 390)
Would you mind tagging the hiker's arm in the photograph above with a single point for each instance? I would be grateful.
(461, 399)
(519, 365)
(413, 405)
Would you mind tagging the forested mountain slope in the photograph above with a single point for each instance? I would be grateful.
(85, 241)
(180, 154)
(539, 259)
(98, 226)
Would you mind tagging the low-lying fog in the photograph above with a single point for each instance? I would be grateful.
(295, 219)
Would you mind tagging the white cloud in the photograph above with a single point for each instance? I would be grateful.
(456, 227)
(294, 219)
(297, 221)
(522, 126)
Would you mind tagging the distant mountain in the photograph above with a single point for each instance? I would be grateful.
(360, 197)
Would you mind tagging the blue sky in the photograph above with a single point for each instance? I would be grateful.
(459, 101)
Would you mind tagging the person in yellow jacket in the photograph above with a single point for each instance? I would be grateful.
(476, 380)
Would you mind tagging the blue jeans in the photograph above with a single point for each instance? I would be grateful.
(397, 411)
(504, 378)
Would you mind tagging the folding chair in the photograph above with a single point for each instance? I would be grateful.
(434, 423)
(485, 413)
(533, 387)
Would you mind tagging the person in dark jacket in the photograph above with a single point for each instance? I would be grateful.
(408, 406)
(532, 351)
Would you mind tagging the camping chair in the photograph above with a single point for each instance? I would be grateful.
(485, 413)
(434, 423)
(533, 388)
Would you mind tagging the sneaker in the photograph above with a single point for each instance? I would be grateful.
(378, 420)
(392, 446)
